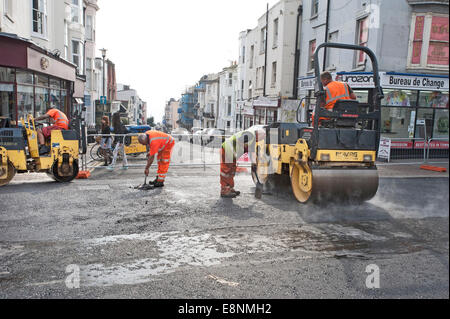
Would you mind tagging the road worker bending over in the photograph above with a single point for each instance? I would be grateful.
(232, 149)
(60, 123)
(335, 91)
(162, 144)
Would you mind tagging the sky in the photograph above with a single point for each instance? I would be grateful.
(162, 47)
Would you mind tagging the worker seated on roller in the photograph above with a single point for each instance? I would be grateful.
(59, 121)
(161, 144)
(335, 91)
(232, 149)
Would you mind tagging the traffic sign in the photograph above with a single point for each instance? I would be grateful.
(103, 100)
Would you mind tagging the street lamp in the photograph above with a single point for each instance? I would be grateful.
(103, 55)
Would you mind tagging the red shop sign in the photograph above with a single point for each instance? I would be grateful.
(402, 145)
(436, 145)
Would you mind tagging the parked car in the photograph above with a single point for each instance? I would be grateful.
(180, 134)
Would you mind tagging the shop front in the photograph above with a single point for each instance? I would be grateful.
(266, 111)
(414, 110)
(32, 79)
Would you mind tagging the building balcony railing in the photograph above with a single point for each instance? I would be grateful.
(208, 115)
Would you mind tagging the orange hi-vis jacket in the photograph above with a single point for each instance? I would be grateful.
(60, 118)
(158, 141)
(335, 91)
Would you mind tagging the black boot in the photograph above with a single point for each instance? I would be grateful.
(158, 184)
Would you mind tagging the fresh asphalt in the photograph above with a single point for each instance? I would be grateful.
(184, 241)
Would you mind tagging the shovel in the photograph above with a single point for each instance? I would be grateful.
(145, 186)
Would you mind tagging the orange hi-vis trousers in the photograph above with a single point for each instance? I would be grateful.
(227, 173)
(164, 161)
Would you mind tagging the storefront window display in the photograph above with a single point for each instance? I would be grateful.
(441, 124)
(397, 122)
(7, 75)
(41, 101)
(7, 102)
(424, 123)
(25, 100)
(399, 98)
(24, 77)
(42, 80)
(434, 99)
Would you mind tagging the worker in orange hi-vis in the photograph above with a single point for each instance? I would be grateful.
(335, 91)
(162, 144)
(60, 121)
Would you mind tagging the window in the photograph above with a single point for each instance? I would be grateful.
(230, 79)
(275, 33)
(252, 54)
(274, 74)
(363, 36)
(440, 124)
(76, 11)
(243, 54)
(88, 74)
(397, 122)
(312, 50)
(250, 88)
(314, 8)
(40, 17)
(229, 106)
(258, 81)
(89, 28)
(332, 59)
(262, 49)
(77, 55)
(242, 89)
(7, 8)
(429, 41)
(434, 99)
(399, 98)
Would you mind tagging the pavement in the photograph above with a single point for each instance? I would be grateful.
(184, 241)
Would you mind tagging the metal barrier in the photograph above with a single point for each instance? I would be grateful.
(408, 149)
(419, 149)
(190, 150)
(437, 148)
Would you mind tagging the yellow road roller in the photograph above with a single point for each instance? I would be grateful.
(331, 161)
(19, 153)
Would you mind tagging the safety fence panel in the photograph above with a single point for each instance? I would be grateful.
(437, 148)
(408, 149)
(189, 150)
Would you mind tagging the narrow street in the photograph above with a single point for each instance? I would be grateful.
(184, 241)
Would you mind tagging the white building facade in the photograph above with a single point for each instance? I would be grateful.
(226, 118)
(267, 66)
